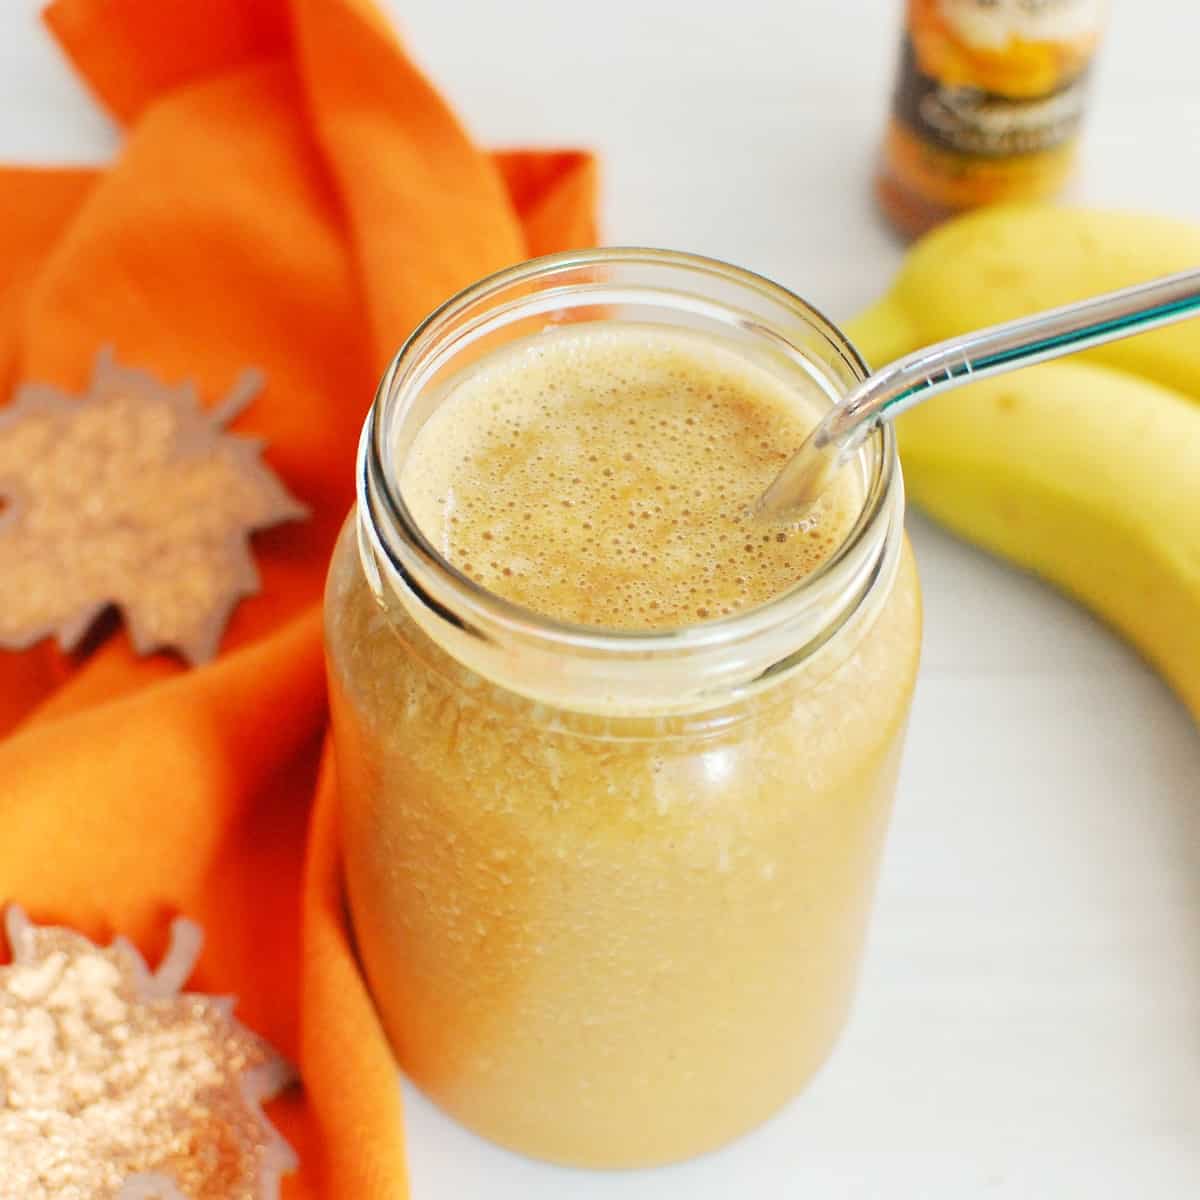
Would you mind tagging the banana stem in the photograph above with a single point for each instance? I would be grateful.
(883, 333)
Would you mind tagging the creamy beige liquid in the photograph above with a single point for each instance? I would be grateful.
(613, 940)
(604, 476)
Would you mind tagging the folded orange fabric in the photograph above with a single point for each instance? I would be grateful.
(293, 196)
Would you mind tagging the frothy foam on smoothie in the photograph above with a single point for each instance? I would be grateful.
(602, 474)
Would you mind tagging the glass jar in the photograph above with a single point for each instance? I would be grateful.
(609, 888)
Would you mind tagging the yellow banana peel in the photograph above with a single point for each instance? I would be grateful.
(1087, 475)
(1008, 261)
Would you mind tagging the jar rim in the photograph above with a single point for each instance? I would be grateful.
(439, 585)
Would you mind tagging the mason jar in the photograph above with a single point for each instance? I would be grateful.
(609, 888)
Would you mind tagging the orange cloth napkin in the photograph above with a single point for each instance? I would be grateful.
(291, 195)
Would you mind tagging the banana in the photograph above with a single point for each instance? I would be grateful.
(1087, 476)
(1007, 261)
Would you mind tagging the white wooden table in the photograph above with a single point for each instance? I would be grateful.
(1029, 1019)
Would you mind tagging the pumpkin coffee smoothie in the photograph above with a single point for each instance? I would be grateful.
(609, 871)
(604, 476)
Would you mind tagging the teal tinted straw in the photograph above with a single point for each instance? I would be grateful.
(949, 364)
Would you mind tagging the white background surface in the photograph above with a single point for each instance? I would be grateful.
(1029, 1018)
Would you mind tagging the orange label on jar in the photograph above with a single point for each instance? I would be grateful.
(992, 24)
(972, 121)
(988, 104)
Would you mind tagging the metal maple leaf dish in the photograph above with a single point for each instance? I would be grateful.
(130, 496)
(117, 1083)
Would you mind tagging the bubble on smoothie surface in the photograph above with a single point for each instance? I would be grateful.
(602, 474)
